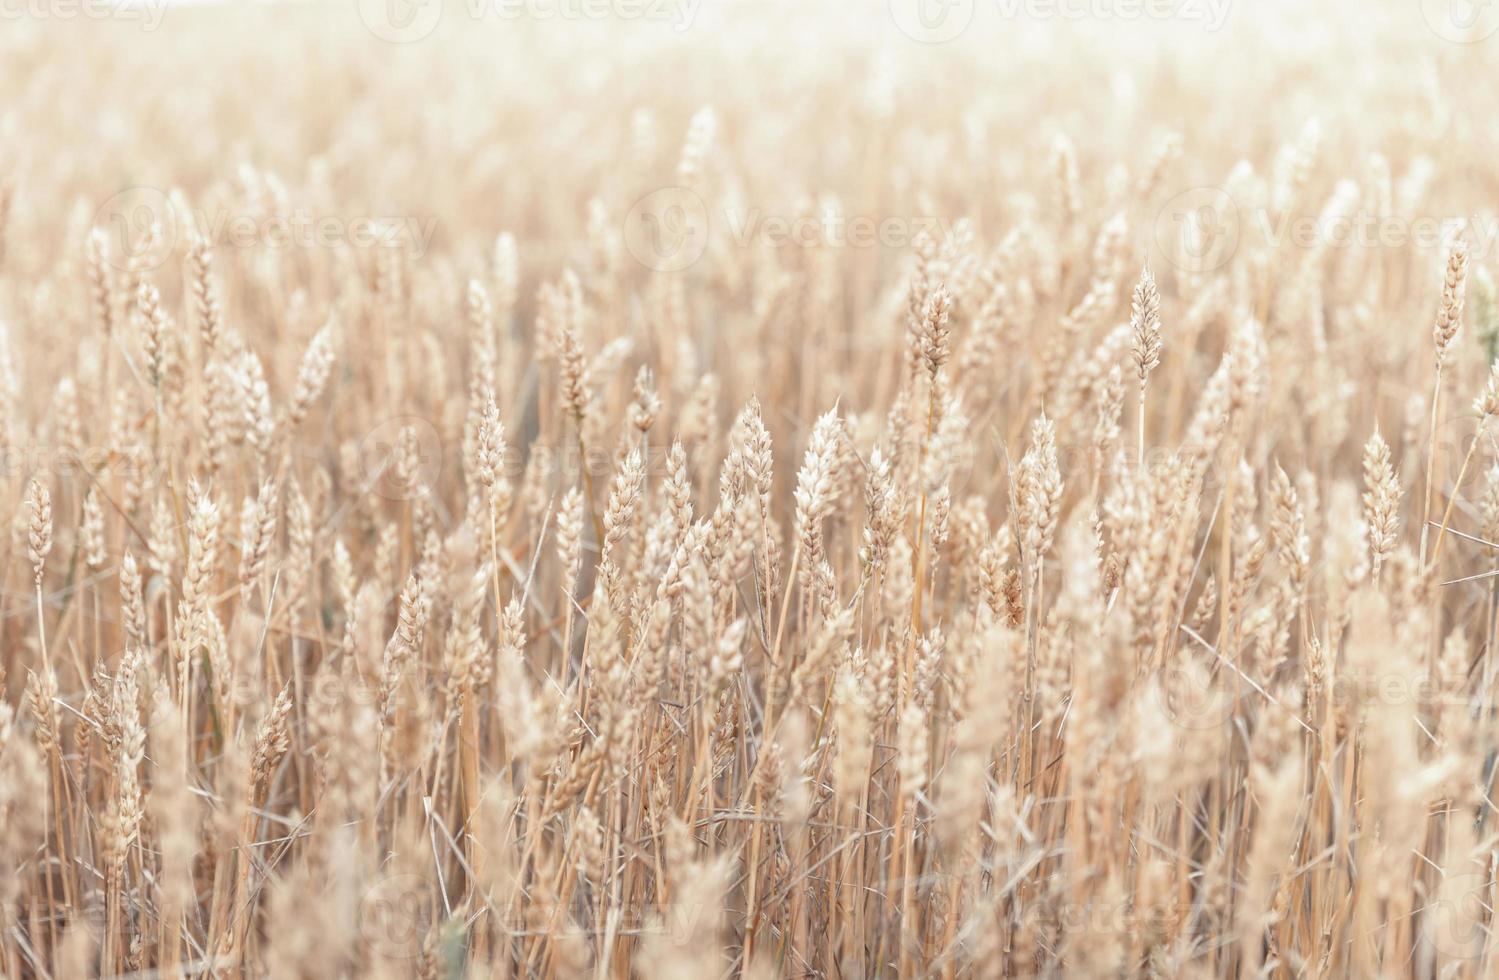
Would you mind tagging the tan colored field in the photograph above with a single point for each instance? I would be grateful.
(708, 488)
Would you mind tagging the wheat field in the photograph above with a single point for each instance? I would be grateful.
(742, 488)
